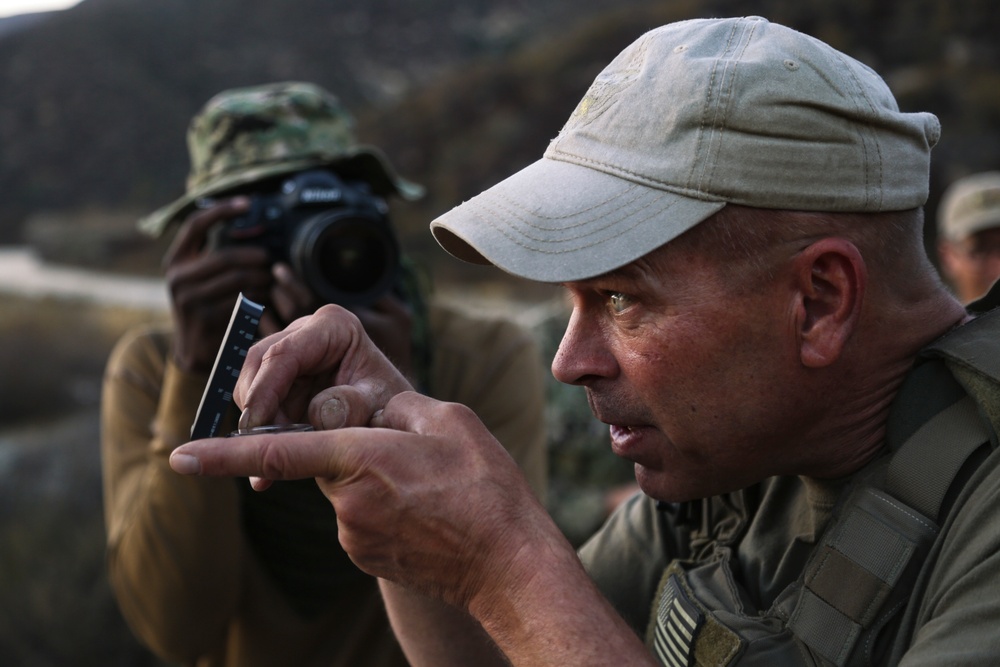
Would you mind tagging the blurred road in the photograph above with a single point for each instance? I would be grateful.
(22, 273)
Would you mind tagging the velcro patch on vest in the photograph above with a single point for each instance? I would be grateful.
(677, 624)
(854, 576)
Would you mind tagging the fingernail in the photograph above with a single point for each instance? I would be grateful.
(333, 414)
(260, 484)
(281, 271)
(185, 464)
(244, 422)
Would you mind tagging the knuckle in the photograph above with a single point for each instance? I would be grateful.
(332, 312)
(454, 412)
(274, 461)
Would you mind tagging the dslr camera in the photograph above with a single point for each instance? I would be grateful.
(334, 233)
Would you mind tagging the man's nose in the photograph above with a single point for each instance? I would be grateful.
(584, 355)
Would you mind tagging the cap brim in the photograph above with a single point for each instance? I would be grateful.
(556, 222)
(972, 224)
(364, 162)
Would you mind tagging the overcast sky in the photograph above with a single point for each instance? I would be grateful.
(11, 7)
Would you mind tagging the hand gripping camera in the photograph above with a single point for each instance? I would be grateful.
(334, 234)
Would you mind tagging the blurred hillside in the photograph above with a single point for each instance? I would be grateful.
(96, 99)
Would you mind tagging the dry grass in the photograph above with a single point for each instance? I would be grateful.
(56, 607)
(53, 353)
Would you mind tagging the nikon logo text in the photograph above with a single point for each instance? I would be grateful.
(320, 195)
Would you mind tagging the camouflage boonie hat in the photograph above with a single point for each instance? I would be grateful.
(248, 134)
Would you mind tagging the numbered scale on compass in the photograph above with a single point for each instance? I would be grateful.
(218, 396)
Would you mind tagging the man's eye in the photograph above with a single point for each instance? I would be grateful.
(618, 301)
(983, 251)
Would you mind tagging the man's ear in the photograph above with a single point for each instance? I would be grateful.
(830, 278)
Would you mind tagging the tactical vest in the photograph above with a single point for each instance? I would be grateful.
(847, 606)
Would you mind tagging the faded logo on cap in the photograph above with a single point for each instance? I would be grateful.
(603, 92)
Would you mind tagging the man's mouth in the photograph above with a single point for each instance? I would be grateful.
(623, 427)
(624, 441)
(622, 432)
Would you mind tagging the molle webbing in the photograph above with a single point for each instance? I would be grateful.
(861, 575)
(922, 472)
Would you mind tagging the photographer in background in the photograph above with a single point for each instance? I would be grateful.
(969, 234)
(283, 205)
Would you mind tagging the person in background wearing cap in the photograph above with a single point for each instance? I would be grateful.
(735, 211)
(969, 234)
(208, 572)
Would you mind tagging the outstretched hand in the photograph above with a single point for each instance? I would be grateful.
(427, 498)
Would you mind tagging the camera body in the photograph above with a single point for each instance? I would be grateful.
(334, 233)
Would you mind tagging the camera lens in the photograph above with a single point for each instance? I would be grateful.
(348, 260)
(351, 258)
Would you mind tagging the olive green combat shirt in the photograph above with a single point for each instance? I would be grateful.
(184, 559)
(766, 534)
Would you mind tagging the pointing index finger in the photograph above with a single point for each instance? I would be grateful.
(283, 456)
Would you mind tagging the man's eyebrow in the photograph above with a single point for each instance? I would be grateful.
(632, 273)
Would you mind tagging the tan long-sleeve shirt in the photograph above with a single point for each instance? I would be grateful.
(191, 583)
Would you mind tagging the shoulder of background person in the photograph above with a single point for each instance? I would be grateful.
(458, 331)
(143, 347)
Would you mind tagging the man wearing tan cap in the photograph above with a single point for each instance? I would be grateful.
(734, 211)
(969, 234)
(283, 205)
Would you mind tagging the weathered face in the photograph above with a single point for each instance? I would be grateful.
(973, 264)
(694, 377)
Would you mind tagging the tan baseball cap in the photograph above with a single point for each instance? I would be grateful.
(970, 205)
(690, 117)
(244, 135)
